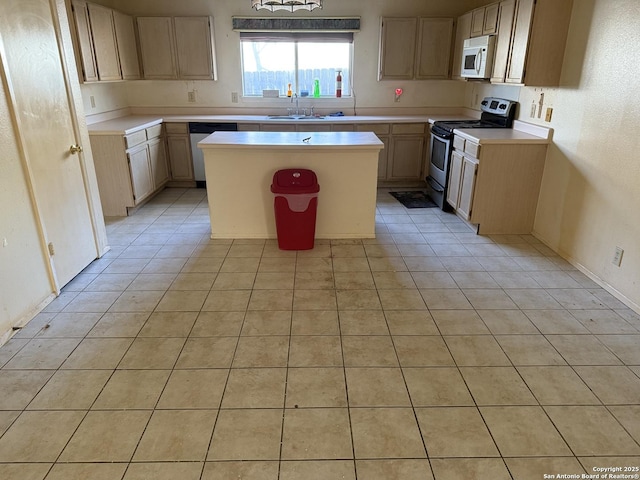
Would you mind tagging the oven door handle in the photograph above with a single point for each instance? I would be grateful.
(444, 136)
(435, 185)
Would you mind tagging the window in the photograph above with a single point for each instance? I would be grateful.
(275, 60)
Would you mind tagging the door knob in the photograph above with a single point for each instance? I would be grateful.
(75, 149)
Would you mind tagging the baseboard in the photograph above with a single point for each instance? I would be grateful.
(592, 276)
(25, 318)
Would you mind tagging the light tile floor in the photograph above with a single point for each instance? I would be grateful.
(428, 352)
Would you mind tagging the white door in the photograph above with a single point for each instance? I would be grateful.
(37, 80)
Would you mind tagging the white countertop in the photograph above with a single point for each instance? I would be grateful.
(124, 125)
(520, 133)
(291, 140)
(130, 124)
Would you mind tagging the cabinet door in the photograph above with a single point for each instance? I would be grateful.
(455, 178)
(274, 127)
(407, 158)
(157, 47)
(490, 25)
(505, 27)
(383, 159)
(521, 30)
(397, 48)
(85, 42)
(180, 158)
(194, 46)
(127, 49)
(141, 179)
(434, 47)
(463, 31)
(158, 162)
(477, 22)
(104, 42)
(467, 187)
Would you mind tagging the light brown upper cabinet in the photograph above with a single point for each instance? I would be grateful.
(397, 48)
(477, 21)
(414, 47)
(484, 20)
(537, 42)
(194, 42)
(125, 34)
(490, 24)
(106, 41)
(463, 31)
(503, 43)
(177, 47)
(157, 47)
(85, 42)
(434, 48)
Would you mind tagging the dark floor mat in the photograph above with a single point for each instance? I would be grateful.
(415, 199)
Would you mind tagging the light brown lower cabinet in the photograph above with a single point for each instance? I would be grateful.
(496, 186)
(130, 169)
(179, 153)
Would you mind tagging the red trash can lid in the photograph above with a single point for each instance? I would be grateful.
(295, 180)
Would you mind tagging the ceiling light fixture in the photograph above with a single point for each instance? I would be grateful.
(289, 5)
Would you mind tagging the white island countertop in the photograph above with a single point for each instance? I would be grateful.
(292, 140)
(241, 165)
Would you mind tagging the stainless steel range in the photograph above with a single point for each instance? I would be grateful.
(496, 113)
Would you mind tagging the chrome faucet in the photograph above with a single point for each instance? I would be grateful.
(297, 111)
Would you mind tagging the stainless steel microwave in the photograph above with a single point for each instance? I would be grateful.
(477, 56)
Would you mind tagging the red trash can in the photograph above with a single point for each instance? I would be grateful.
(295, 204)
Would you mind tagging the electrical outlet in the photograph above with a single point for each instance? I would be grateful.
(5, 243)
(92, 99)
(547, 116)
(234, 97)
(617, 257)
(191, 96)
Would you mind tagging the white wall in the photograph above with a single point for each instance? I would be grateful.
(370, 93)
(591, 186)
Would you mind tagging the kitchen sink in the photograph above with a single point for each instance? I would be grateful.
(294, 117)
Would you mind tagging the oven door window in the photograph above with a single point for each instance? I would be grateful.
(438, 153)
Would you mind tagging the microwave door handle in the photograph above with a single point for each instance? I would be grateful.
(478, 62)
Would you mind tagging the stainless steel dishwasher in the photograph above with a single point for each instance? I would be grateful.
(198, 131)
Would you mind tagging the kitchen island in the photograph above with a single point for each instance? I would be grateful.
(239, 168)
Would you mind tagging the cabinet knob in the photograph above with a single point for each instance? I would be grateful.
(75, 149)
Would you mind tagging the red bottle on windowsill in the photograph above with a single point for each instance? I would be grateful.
(339, 84)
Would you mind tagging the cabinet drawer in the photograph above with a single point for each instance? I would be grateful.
(408, 128)
(154, 132)
(271, 127)
(248, 127)
(176, 128)
(343, 127)
(381, 128)
(458, 142)
(307, 127)
(472, 149)
(135, 138)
